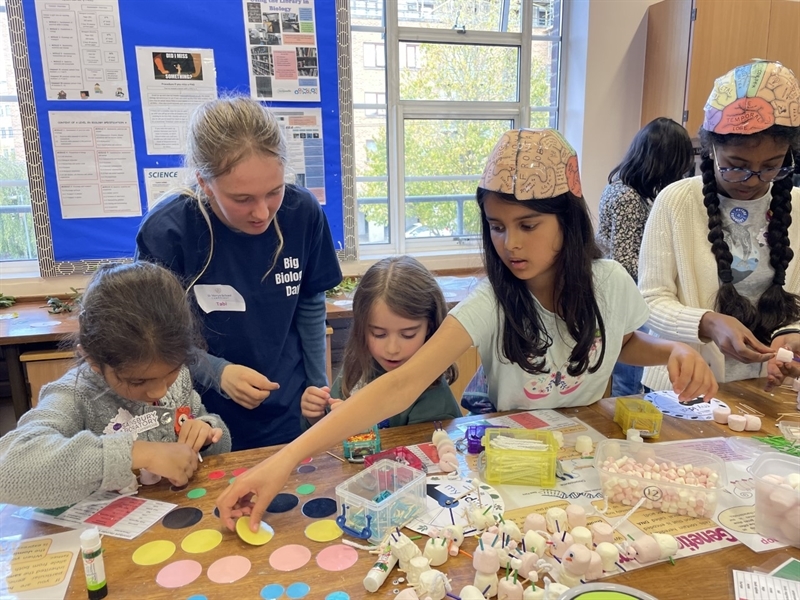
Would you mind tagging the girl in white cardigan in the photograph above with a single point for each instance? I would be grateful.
(716, 260)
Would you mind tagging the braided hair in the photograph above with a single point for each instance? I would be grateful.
(776, 307)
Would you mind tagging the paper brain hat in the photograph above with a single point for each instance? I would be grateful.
(753, 97)
(532, 164)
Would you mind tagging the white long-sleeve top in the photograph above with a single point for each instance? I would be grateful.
(678, 272)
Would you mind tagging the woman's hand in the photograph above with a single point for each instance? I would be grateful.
(734, 339)
(176, 462)
(263, 482)
(314, 401)
(778, 371)
(245, 386)
(690, 374)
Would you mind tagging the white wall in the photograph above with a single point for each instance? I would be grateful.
(604, 75)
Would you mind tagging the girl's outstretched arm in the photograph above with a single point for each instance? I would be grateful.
(386, 396)
(688, 371)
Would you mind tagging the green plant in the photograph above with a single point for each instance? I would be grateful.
(56, 305)
(347, 285)
(6, 301)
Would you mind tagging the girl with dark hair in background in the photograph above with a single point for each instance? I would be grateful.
(716, 262)
(549, 321)
(660, 154)
(126, 403)
(397, 307)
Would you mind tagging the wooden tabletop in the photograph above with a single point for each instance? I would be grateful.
(704, 576)
(34, 324)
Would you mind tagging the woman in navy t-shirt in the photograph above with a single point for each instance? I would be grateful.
(257, 255)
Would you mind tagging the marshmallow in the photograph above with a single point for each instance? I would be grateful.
(784, 355)
(534, 522)
(583, 445)
(485, 560)
(647, 549)
(470, 592)
(602, 532)
(416, 567)
(438, 436)
(448, 462)
(481, 518)
(508, 589)
(436, 551)
(433, 583)
(559, 438)
(148, 478)
(535, 543)
(595, 570)
(527, 567)
(556, 519)
(581, 535)
(576, 559)
(737, 422)
(511, 530)
(667, 544)
(576, 516)
(484, 580)
(752, 423)
(407, 594)
(632, 435)
(721, 414)
(403, 549)
(446, 446)
(609, 554)
(560, 543)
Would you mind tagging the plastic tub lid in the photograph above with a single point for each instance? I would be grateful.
(776, 463)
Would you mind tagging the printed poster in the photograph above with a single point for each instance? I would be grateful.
(302, 129)
(81, 45)
(95, 164)
(158, 182)
(282, 50)
(173, 82)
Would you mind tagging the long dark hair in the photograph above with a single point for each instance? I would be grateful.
(776, 307)
(410, 291)
(525, 340)
(660, 154)
(133, 314)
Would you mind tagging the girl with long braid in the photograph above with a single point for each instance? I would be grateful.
(703, 281)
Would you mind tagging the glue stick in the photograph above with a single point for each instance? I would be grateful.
(380, 570)
(93, 565)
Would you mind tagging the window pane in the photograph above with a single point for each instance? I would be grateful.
(471, 15)
(443, 163)
(544, 74)
(540, 119)
(371, 177)
(17, 239)
(547, 17)
(450, 72)
(366, 12)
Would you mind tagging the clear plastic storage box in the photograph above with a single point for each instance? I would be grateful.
(671, 478)
(777, 500)
(385, 495)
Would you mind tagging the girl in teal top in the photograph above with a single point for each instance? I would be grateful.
(397, 306)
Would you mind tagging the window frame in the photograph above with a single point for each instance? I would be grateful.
(399, 111)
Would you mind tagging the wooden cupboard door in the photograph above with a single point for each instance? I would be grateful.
(783, 44)
(725, 34)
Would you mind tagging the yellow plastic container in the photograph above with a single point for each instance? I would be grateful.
(516, 464)
(635, 413)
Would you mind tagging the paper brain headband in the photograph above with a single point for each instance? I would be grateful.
(532, 164)
(752, 98)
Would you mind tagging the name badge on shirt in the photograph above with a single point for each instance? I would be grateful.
(124, 421)
(219, 297)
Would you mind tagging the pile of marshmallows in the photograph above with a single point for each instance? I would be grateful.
(722, 415)
(778, 502)
(624, 480)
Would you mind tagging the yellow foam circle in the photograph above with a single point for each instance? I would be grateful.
(325, 530)
(201, 541)
(261, 537)
(153, 553)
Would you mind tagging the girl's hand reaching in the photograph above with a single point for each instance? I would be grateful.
(778, 371)
(176, 462)
(263, 482)
(690, 374)
(734, 339)
(196, 433)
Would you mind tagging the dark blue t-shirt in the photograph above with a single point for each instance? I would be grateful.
(263, 337)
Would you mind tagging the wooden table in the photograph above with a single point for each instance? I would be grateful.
(705, 576)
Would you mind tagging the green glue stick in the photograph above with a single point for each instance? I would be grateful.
(93, 565)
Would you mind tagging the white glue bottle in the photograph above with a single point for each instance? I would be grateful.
(93, 565)
(380, 570)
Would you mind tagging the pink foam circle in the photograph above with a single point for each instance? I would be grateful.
(216, 475)
(289, 557)
(337, 557)
(228, 569)
(179, 574)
